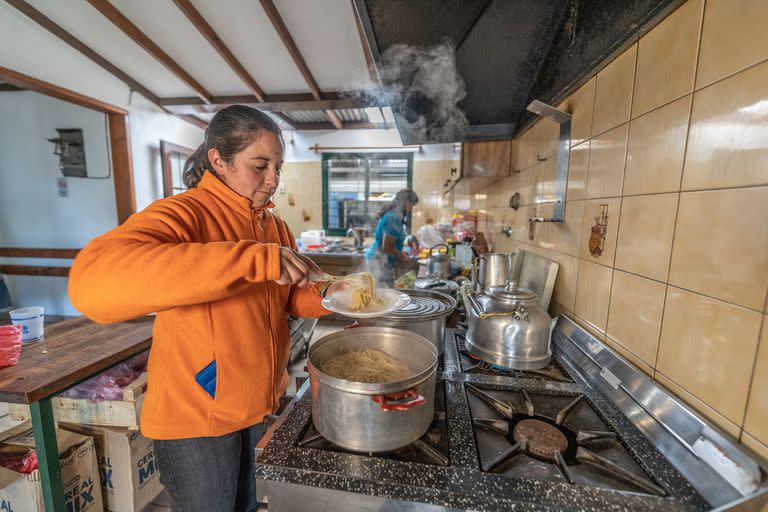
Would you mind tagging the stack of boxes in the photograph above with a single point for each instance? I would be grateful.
(123, 459)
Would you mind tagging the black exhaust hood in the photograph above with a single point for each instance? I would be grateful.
(507, 52)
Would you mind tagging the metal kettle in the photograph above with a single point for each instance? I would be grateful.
(507, 327)
(439, 263)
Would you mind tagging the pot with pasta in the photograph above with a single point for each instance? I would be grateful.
(372, 387)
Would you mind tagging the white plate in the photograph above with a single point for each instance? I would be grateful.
(340, 303)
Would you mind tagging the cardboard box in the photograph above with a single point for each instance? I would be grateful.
(79, 472)
(113, 413)
(130, 478)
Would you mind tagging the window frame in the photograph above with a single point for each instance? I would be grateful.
(367, 155)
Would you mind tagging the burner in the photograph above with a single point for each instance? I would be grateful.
(423, 306)
(534, 429)
(541, 439)
(472, 364)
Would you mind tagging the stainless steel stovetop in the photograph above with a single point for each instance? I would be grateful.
(589, 432)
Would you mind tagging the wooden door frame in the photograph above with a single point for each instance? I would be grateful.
(119, 134)
(166, 151)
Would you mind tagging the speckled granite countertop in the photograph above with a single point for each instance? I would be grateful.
(462, 485)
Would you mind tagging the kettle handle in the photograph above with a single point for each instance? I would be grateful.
(466, 292)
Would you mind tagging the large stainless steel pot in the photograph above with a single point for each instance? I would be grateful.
(373, 417)
(425, 316)
(493, 269)
(506, 326)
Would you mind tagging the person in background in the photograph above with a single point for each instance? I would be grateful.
(385, 256)
(221, 272)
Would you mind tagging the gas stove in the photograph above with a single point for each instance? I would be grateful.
(589, 432)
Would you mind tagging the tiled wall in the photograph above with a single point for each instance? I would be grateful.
(672, 136)
(301, 203)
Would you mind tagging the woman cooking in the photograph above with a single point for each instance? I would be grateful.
(386, 253)
(220, 270)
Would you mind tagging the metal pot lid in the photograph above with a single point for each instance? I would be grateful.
(424, 303)
(511, 291)
(431, 282)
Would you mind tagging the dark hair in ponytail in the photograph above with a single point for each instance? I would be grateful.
(398, 203)
(230, 131)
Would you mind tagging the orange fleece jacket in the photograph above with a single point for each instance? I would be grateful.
(205, 261)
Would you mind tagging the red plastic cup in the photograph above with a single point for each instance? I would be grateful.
(10, 344)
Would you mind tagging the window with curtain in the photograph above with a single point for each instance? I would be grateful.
(356, 185)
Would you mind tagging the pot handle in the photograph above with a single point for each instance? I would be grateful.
(396, 402)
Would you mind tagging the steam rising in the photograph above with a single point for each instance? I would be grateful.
(424, 88)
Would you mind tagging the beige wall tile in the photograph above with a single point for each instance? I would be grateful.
(556, 309)
(581, 105)
(524, 151)
(546, 232)
(721, 245)
(756, 421)
(732, 38)
(593, 209)
(666, 59)
(630, 357)
(570, 231)
(755, 445)
(590, 328)
(656, 149)
(697, 405)
(728, 140)
(547, 178)
(593, 294)
(613, 92)
(577, 172)
(634, 317)
(565, 285)
(607, 154)
(708, 347)
(646, 229)
(540, 140)
(527, 187)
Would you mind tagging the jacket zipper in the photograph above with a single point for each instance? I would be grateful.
(269, 321)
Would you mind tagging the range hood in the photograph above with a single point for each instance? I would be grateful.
(507, 53)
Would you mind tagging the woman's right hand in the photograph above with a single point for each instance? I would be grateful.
(295, 268)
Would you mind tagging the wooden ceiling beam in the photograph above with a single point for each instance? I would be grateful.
(210, 35)
(33, 84)
(285, 36)
(272, 106)
(194, 120)
(55, 29)
(127, 26)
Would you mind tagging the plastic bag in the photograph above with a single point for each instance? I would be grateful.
(429, 236)
(10, 345)
(109, 385)
(26, 463)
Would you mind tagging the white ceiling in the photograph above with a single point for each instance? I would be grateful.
(324, 31)
(245, 29)
(89, 26)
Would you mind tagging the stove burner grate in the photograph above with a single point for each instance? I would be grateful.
(550, 440)
(552, 372)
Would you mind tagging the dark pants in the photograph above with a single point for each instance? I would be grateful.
(210, 474)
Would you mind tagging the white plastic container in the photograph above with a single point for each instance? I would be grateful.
(312, 237)
(31, 321)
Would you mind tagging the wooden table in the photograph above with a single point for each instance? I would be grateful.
(73, 350)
